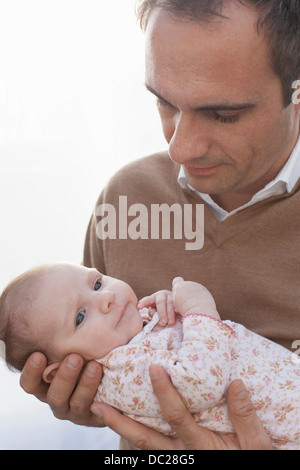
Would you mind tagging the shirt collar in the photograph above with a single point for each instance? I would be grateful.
(290, 173)
(283, 183)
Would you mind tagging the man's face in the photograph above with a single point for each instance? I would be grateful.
(220, 103)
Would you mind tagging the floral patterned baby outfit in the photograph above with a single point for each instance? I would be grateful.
(202, 356)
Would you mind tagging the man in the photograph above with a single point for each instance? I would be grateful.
(223, 74)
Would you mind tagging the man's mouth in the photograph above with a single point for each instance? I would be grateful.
(201, 171)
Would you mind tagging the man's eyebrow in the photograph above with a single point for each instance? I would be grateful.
(149, 88)
(226, 107)
(212, 107)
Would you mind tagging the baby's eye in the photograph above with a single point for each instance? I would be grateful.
(79, 319)
(97, 284)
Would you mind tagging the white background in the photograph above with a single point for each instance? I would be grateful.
(73, 109)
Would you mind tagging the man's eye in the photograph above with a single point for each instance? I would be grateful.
(97, 285)
(226, 119)
(79, 319)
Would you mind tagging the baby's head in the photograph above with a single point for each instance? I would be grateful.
(64, 308)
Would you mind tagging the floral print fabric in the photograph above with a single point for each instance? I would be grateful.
(202, 356)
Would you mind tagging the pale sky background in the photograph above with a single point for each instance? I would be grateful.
(73, 109)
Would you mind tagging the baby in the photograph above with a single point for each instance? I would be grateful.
(63, 308)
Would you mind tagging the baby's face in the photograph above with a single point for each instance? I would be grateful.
(85, 312)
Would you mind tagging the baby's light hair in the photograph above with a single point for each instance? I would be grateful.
(15, 305)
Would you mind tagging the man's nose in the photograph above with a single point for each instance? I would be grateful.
(190, 138)
(105, 301)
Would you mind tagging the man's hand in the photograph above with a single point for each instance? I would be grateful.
(72, 390)
(250, 434)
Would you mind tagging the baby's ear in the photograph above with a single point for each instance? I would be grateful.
(50, 371)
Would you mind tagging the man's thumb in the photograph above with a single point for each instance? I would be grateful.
(247, 425)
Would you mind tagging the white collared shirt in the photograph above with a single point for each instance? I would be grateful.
(283, 183)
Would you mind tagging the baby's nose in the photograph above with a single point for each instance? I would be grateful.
(106, 300)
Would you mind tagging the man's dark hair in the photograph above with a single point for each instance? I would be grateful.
(278, 19)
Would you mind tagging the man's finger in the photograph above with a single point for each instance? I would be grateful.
(140, 437)
(176, 413)
(63, 384)
(84, 394)
(248, 427)
(31, 379)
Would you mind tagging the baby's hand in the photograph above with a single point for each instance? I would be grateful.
(191, 297)
(163, 303)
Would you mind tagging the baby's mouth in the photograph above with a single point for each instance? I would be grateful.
(123, 310)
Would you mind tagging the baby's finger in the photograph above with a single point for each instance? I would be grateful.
(148, 301)
(176, 281)
(161, 307)
(170, 310)
(166, 309)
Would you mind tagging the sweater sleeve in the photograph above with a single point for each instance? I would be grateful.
(201, 372)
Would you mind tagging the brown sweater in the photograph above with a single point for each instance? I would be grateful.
(250, 262)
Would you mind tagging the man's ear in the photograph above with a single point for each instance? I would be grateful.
(50, 371)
